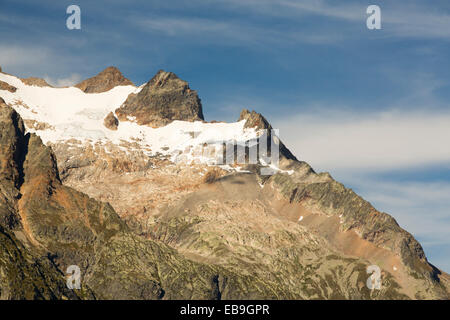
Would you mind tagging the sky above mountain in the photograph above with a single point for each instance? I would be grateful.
(372, 107)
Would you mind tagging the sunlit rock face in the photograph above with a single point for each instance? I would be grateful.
(104, 81)
(163, 99)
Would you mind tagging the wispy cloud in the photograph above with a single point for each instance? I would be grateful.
(413, 19)
(23, 56)
(231, 31)
(27, 60)
(369, 141)
(73, 79)
(399, 19)
(193, 27)
(418, 22)
(344, 11)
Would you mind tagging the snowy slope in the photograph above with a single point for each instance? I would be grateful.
(72, 114)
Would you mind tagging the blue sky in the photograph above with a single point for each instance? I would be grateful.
(369, 106)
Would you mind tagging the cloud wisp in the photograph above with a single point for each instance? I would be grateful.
(234, 32)
(23, 56)
(71, 80)
(369, 141)
(411, 20)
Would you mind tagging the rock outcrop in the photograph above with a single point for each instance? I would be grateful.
(104, 81)
(322, 193)
(33, 81)
(37, 125)
(163, 99)
(25, 273)
(254, 120)
(111, 122)
(11, 155)
(6, 86)
(257, 121)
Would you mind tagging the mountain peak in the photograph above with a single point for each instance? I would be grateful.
(34, 81)
(254, 120)
(104, 81)
(166, 79)
(163, 99)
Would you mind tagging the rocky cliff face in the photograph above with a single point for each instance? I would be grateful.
(163, 99)
(24, 273)
(104, 81)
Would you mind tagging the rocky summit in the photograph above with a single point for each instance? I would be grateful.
(104, 81)
(130, 187)
(163, 99)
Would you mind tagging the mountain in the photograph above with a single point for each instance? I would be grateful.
(163, 99)
(104, 81)
(46, 226)
(136, 189)
(257, 121)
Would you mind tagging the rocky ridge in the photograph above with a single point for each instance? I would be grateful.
(104, 81)
(33, 81)
(257, 121)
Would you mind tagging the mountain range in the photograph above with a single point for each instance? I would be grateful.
(134, 187)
